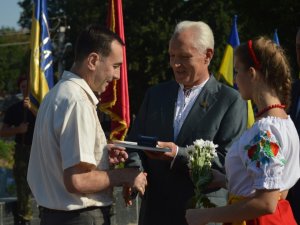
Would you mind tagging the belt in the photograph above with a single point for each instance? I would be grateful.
(23, 145)
(91, 208)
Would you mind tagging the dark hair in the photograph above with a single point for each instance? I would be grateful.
(97, 39)
(273, 64)
(21, 79)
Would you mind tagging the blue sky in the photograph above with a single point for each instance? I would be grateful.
(9, 13)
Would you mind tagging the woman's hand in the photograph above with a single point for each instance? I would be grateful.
(195, 217)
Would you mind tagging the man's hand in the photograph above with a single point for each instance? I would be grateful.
(22, 128)
(27, 103)
(116, 154)
(127, 195)
(136, 179)
(139, 185)
(163, 155)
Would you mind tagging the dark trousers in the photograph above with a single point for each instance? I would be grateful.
(21, 159)
(87, 216)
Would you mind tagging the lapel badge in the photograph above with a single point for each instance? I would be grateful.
(204, 104)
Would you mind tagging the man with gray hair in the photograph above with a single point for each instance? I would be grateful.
(194, 106)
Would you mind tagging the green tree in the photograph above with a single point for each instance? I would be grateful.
(13, 58)
(149, 25)
(258, 17)
(148, 28)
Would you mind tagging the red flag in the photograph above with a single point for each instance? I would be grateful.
(115, 100)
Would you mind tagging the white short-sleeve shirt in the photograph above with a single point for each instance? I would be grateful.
(266, 156)
(67, 132)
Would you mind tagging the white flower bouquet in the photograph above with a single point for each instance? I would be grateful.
(201, 155)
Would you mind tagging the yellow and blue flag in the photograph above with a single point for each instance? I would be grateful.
(41, 61)
(226, 70)
(275, 37)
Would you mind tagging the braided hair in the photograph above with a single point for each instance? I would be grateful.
(272, 61)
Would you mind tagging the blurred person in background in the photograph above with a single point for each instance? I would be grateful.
(294, 193)
(19, 122)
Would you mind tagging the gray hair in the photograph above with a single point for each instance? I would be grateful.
(203, 35)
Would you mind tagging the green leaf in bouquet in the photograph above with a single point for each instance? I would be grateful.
(203, 181)
(201, 155)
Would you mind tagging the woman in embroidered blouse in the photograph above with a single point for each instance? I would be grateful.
(264, 163)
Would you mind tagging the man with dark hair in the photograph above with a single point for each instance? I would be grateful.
(69, 169)
(19, 122)
(294, 192)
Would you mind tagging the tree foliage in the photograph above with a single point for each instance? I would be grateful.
(149, 25)
(14, 50)
(6, 153)
(263, 17)
(148, 31)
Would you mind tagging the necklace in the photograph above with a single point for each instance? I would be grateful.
(261, 112)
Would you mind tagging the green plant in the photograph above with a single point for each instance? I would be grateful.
(6, 153)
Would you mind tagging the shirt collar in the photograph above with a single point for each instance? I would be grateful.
(67, 75)
(194, 87)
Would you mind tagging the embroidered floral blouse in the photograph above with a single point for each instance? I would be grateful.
(266, 156)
